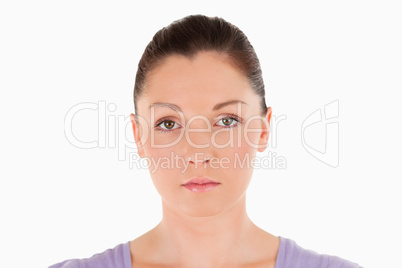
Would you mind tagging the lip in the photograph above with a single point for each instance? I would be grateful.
(203, 180)
(200, 185)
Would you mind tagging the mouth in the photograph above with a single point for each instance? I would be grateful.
(198, 185)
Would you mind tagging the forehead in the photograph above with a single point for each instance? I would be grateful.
(197, 83)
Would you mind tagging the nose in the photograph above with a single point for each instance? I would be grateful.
(198, 132)
(198, 159)
(198, 141)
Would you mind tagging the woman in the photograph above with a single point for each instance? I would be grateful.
(200, 109)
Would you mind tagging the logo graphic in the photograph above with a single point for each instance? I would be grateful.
(90, 125)
(320, 134)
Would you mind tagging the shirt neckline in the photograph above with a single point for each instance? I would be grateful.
(278, 262)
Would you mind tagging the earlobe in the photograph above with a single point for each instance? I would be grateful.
(137, 137)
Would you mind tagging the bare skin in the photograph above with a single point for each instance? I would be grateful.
(229, 240)
(211, 229)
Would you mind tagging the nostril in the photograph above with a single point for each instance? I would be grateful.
(199, 160)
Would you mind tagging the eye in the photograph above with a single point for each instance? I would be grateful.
(166, 125)
(229, 121)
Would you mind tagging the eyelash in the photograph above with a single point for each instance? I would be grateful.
(163, 119)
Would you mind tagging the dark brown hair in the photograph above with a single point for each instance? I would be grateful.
(196, 33)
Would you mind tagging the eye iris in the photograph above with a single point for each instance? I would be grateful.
(227, 121)
(168, 124)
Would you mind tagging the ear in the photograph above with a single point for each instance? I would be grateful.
(266, 123)
(137, 137)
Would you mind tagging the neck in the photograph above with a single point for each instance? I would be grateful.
(208, 240)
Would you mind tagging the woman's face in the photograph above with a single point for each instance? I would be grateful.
(184, 132)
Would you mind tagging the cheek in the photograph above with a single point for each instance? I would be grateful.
(242, 143)
(166, 163)
(164, 171)
(165, 140)
(236, 160)
(252, 134)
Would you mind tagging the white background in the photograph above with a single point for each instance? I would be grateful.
(58, 201)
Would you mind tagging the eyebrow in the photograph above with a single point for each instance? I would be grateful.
(177, 108)
(165, 104)
(226, 103)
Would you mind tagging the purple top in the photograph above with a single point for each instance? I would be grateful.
(290, 255)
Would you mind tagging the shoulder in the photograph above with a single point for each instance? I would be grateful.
(291, 255)
(118, 257)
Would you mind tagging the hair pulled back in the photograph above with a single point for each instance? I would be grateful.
(196, 33)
